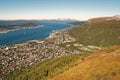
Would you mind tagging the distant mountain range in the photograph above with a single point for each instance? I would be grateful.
(8, 25)
(19, 22)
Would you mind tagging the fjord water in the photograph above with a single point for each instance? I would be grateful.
(23, 35)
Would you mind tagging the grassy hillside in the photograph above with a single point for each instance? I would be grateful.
(98, 32)
(46, 69)
(102, 65)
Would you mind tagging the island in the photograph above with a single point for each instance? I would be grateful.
(4, 28)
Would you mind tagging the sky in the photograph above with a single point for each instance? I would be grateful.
(54, 9)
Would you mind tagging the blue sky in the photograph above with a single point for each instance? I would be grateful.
(51, 9)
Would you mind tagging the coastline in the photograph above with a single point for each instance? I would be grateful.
(39, 50)
(38, 27)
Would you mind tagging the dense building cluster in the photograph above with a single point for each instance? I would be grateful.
(61, 36)
(22, 55)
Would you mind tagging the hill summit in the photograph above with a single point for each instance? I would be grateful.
(116, 17)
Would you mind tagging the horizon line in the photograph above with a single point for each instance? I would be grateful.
(48, 19)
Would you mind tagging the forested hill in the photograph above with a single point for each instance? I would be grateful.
(103, 31)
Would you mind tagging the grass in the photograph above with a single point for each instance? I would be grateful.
(102, 65)
(46, 69)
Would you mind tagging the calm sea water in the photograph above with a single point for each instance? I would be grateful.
(23, 35)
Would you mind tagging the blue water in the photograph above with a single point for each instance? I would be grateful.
(23, 35)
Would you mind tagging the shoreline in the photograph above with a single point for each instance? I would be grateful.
(59, 30)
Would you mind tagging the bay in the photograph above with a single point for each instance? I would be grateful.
(22, 35)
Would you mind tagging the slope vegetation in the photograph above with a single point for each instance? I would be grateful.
(46, 69)
(102, 65)
(98, 32)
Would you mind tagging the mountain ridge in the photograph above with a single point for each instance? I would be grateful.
(116, 17)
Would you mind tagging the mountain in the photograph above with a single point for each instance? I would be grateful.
(103, 31)
(102, 65)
